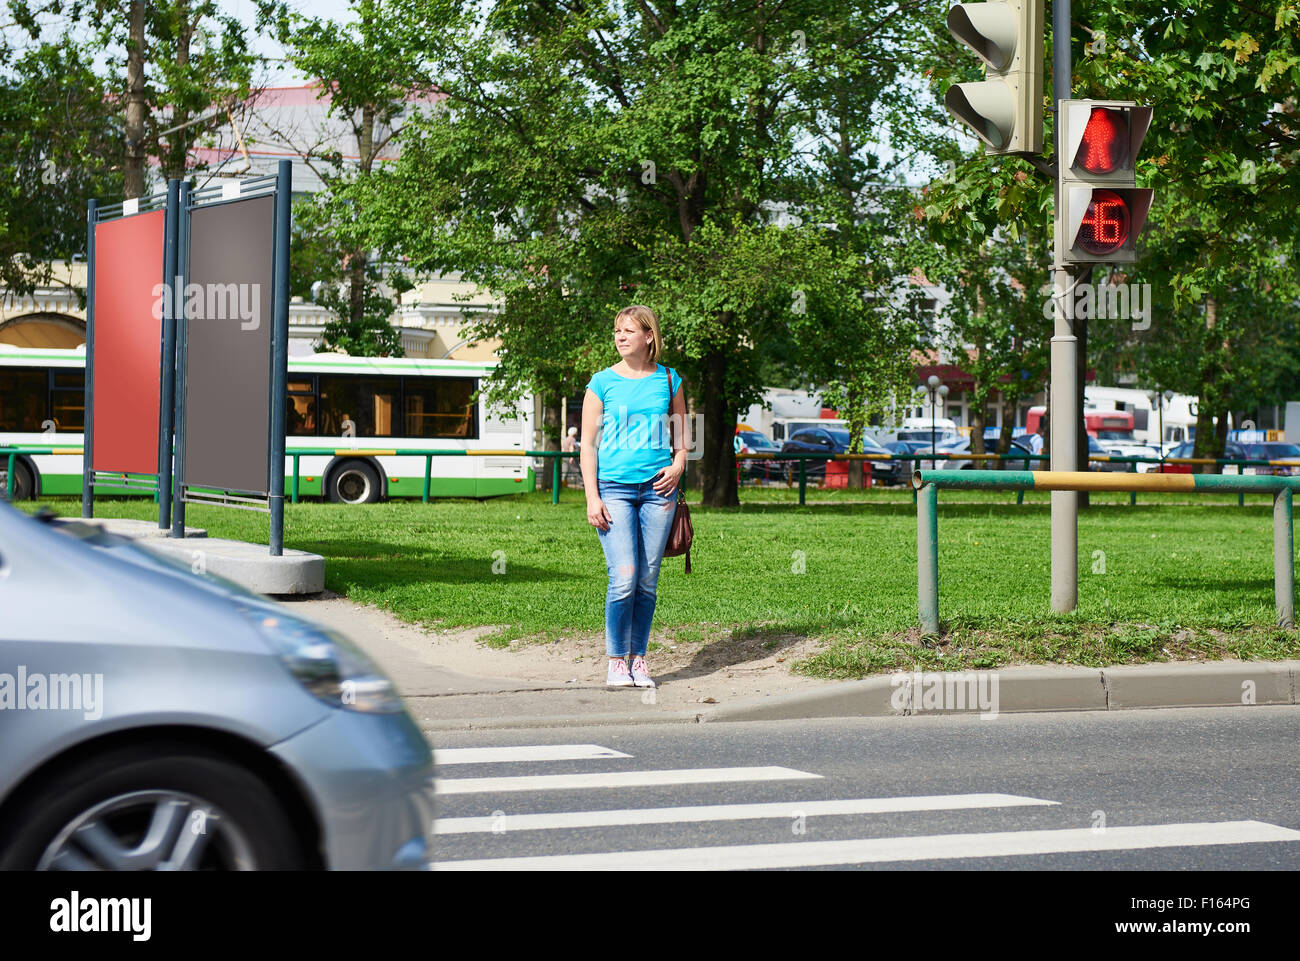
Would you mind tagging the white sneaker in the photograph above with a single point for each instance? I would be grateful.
(641, 673)
(618, 675)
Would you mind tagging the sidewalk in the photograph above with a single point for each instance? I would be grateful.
(448, 682)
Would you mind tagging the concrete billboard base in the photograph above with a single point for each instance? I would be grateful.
(248, 565)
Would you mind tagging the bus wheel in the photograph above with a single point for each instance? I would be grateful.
(354, 482)
(24, 483)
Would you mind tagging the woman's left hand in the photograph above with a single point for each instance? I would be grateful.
(665, 481)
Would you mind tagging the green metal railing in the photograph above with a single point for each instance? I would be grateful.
(928, 483)
(802, 458)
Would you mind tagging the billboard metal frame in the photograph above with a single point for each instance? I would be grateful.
(159, 482)
(278, 186)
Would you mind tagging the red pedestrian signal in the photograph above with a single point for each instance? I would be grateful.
(1105, 142)
(1102, 210)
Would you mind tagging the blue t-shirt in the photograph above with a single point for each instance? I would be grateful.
(634, 444)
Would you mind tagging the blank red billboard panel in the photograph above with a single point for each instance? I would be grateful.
(127, 343)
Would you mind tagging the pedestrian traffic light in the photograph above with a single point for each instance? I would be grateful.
(1102, 210)
(1005, 109)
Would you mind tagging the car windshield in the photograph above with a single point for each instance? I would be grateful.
(1278, 451)
(1116, 435)
(753, 438)
(839, 437)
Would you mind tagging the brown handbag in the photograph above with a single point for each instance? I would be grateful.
(679, 538)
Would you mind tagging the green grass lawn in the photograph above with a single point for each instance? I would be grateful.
(1173, 578)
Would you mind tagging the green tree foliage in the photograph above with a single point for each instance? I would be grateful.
(718, 161)
(55, 124)
(360, 66)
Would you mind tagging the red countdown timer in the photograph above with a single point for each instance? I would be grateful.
(1105, 226)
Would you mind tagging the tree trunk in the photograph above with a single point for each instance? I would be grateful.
(977, 416)
(550, 436)
(857, 422)
(1208, 405)
(133, 168)
(1008, 426)
(718, 465)
(357, 259)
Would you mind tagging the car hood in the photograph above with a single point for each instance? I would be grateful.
(125, 591)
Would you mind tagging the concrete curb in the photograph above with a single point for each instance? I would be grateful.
(1033, 689)
(573, 720)
(1020, 690)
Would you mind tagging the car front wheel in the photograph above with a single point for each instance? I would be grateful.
(151, 808)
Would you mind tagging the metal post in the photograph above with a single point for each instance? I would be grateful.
(9, 478)
(555, 480)
(1284, 559)
(803, 478)
(88, 424)
(428, 468)
(182, 354)
(927, 558)
(1132, 495)
(1064, 386)
(168, 369)
(296, 459)
(280, 354)
(931, 420)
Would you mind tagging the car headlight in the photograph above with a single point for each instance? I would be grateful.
(327, 664)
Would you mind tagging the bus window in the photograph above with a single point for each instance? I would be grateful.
(366, 402)
(67, 400)
(439, 407)
(300, 412)
(22, 399)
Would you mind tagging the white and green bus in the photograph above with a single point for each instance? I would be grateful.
(358, 412)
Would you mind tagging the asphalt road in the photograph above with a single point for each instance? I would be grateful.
(1205, 789)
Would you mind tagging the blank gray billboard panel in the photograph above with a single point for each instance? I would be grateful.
(228, 346)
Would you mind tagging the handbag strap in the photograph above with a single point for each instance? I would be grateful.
(668, 374)
(681, 494)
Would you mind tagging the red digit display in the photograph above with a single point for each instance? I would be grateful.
(1105, 226)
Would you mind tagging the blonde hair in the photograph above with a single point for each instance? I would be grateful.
(646, 318)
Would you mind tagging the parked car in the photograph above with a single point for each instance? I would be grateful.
(825, 440)
(962, 446)
(907, 448)
(1273, 450)
(1231, 451)
(833, 440)
(756, 442)
(941, 435)
(187, 724)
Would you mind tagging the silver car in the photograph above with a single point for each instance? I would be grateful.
(155, 719)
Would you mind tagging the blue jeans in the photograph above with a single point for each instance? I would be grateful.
(640, 522)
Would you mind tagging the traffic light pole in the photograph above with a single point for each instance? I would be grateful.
(1064, 358)
(1064, 449)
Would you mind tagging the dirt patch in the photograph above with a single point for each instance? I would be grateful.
(721, 668)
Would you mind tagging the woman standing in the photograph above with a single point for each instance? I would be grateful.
(631, 483)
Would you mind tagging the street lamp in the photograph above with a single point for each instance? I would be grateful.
(1167, 397)
(935, 386)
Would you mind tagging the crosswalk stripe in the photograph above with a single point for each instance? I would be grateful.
(793, 854)
(726, 812)
(617, 779)
(534, 752)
